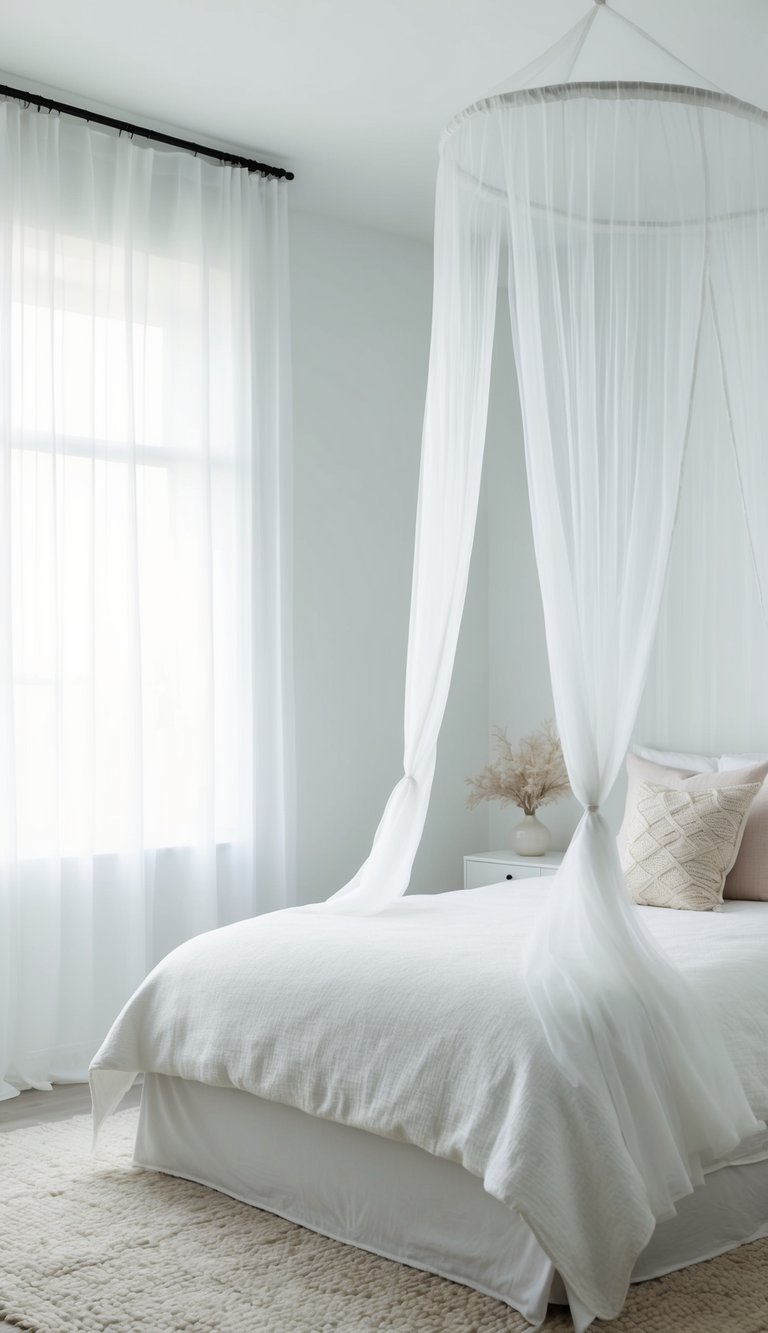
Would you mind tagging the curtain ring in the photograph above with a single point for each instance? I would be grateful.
(592, 809)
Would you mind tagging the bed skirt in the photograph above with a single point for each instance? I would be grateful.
(400, 1202)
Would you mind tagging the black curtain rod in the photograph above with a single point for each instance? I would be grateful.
(233, 159)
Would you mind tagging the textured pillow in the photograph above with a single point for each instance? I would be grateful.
(642, 770)
(682, 843)
(749, 876)
(692, 763)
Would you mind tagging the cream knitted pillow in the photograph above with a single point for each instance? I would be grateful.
(682, 843)
(642, 770)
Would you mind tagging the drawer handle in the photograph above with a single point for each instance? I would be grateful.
(510, 877)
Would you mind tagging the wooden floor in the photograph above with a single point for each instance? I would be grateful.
(62, 1102)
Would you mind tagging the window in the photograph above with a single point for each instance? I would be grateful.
(126, 490)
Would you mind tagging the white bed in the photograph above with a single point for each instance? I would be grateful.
(376, 1107)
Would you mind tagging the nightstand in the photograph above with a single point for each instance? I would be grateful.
(492, 867)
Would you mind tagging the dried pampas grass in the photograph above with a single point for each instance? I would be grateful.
(532, 775)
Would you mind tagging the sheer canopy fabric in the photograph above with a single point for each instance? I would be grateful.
(629, 209)
(144, 484)
(606, 301)
(739, 294)
(467, 240)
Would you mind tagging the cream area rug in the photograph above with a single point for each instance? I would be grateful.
(88, 1245)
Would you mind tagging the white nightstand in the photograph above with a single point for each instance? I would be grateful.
(491, 867)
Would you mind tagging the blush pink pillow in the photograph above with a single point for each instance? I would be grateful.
(753, 875)
(748, 878)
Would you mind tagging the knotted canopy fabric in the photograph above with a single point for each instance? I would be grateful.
(629, 208)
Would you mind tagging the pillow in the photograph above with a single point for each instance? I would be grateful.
(681, 843)
(730, 761)
(749, 877)
(693, 763)
(642, 770)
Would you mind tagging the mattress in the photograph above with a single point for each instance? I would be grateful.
(402, 1203)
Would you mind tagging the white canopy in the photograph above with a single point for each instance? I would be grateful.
(629, 206)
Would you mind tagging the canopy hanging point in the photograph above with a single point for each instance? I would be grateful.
(664, 164)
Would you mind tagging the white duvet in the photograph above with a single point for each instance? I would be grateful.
(415, 1025)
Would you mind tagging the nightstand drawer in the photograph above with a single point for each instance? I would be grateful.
(495, 867)
(477, 873)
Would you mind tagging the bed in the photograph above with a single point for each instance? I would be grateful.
(384, 1082)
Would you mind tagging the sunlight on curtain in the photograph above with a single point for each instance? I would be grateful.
(144, 492)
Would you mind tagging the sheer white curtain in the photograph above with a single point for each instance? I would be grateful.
(467, 242)
(739, 284)
(610, 266)
(607, 306)
(706, 684)
(706, 690)
(144, 483)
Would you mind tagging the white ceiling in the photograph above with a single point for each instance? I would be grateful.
(349, 94)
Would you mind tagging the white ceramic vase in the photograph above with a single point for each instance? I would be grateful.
(530, 837)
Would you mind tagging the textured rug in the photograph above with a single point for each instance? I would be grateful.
(90, 1245)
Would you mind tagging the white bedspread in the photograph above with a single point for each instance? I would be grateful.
(415, 1025)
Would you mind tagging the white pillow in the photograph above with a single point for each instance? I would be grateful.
(695, 763)
(726, 762)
